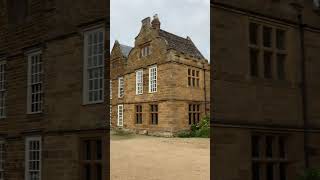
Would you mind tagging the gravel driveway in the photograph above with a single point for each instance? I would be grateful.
(153, 158)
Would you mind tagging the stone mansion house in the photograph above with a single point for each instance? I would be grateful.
(159, 86)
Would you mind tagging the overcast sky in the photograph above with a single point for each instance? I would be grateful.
(181, 17)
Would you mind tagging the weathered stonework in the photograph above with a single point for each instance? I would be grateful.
(173, 94)
(243, 105)
(56, 28)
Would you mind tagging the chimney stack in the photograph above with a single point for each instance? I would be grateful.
(146, 22)
(156, 22)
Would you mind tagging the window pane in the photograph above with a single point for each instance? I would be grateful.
(267, 64)
(253, 62)
(87, 150)
(280, 66)
(253, 31)
(256, 171)
(269, 171)
(283, 171)
(269, 146)
(99, 171)
(87, 171)
(282, 149)
(267, 37)
(280, 39)
(99, 149)
(255, 145)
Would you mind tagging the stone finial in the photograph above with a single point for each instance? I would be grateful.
(156, 22)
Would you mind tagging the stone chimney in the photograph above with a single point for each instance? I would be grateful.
(156, 22)
(146, 22)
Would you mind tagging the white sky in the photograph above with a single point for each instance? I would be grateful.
(181, 17)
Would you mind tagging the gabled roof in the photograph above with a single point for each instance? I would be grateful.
(180, 44)
(125, 49)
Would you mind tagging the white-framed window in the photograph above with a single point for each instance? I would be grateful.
(153, 79)
(145, 51)
(2, 159)
(35, 86)
(33, 158)
(93, 71)
(139, 82)
(110, 89)
(3, 91)
(120, 115)
(120, 87)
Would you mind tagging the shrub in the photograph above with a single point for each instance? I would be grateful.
(311, 174)
(202, 129)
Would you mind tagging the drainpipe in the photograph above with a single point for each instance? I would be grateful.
(298, 7)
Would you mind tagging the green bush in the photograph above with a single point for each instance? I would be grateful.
(311, 174)
(202, 129)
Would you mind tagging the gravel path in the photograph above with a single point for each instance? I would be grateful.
(154, 158)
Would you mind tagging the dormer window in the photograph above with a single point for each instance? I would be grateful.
(145, 51)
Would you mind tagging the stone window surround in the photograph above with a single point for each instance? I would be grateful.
(120, 115)
(35, 81)
(120, 87)
(153, 73)
(273, 158)
(274, 50)
(36, 160)
(99, 66)
(91, 155)
(154, 116)
(139, 114)
(193, 77)
(139, 82)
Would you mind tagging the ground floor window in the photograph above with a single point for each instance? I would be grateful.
(138, 114)
(194, 113)
(91, 159)
(2, 159)
(33, 158)
(154, 114)
(269, 157)
(120, 115)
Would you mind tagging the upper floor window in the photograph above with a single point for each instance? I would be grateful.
(267, 49)
(193, 78)
(139, 82)
(120, 87)
(153, 79)
(269, 155)
(3, 91)
(35, 82)
(33, 158)
(110, 89)
(17, 11)
(93, 66)
(145, 51)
